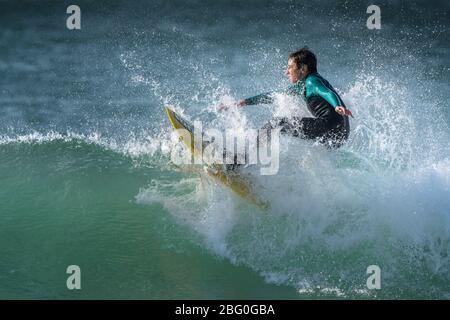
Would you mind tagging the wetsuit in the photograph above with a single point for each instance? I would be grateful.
(327, 126)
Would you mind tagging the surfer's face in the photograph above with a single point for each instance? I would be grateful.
(294, 73)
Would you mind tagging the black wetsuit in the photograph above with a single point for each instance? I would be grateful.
(327, 126)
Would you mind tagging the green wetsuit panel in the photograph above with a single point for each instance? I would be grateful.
(316, 85)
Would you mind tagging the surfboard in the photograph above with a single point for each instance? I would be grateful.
(231, 179)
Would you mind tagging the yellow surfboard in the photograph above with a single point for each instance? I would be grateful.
(238, 184)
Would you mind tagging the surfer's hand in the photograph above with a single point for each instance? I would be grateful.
(223, 107)
(343, 112)
(240, 103)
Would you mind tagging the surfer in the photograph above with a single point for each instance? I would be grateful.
(329, 124)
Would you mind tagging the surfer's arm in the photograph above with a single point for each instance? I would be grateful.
(263, 98)
(267, 97)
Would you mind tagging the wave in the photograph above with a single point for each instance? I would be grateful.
(380, 200)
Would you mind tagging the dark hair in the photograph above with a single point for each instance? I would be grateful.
(304, 56)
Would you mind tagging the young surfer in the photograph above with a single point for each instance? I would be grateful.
(329, 124)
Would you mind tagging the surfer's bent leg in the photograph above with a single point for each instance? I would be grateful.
(328, 132)
(287, 125)
(313, 128)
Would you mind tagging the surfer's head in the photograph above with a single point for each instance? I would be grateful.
(300, 64)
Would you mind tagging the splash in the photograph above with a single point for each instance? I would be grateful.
(381, 199)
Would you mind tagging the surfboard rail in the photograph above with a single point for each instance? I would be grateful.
(238, 184)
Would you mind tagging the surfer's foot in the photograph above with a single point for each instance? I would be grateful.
(233, 166)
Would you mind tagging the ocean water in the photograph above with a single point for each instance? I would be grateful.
(87, 179)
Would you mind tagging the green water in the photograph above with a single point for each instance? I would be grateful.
(61, 207)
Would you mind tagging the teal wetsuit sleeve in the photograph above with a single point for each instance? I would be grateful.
(317, 86)
(262, 98)
(267, 97)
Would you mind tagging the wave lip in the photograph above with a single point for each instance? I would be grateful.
(133, 147)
